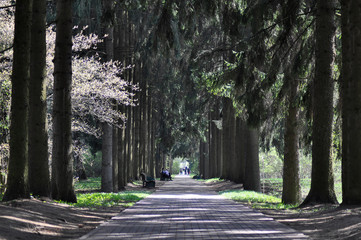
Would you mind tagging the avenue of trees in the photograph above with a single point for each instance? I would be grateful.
(144, 82)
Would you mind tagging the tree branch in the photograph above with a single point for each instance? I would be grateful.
(6, 49)
(9, 6)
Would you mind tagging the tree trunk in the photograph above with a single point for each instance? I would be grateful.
(241, 140)
(17, 182)
(107, 158)
(291, 193)
(121, 162)
(115, 161)
(62, 163)
(252, 179)
(228, 138)
(351, 102)
(107, 137)
(39, 178)
(322, 182)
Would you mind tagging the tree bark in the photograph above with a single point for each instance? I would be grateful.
(252, 179)
(62, 163)
(241, 140)
(107, 158)
(351, 102)
(39, 178)
(291, 193)
(17, 182)
(322, 181)
(228, 138)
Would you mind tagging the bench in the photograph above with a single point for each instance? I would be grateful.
(148, 181)
(163, 177)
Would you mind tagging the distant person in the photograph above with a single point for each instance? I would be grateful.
(166, 174)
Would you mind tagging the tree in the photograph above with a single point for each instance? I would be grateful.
(322, 185)
(107, 145)
(228, 138)
(17, 182)
(39, 182)
(351, 102)
(252, 179)
(291, 193)
(62, 162)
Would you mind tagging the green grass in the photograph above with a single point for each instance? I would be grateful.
(255, 199)
(91, 184)
(95, 199)
(100, 199)
(210, 180)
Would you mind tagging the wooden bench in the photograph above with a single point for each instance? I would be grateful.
(148, 181)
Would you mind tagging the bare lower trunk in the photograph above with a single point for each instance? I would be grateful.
(62, 163)
(17, 182)
(351, 102)
(291, 193)
(322, 181)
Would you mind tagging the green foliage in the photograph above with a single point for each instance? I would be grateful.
(91, 184)
(94, 200)
(176, 165)
(93, 164)
(5, 92)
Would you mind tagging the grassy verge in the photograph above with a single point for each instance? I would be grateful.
(124, 199)
(210, 180)
(91, 184)
(256, 200)
(89, 195)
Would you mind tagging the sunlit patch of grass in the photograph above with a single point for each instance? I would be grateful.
(101, 199)
(249, 196)
(91, 184)
(210, 180)
(256, 200)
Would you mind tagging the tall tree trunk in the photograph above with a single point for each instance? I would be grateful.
(107, 137)
(17, 182)
(322, 181)
(291, 193)
(121, 162)
(351, 102)
(115, 160)
(228, 138)
(107, 155)
(39, 178)
(150, 148)
(252, 178)
(62, 163)
(240, 165)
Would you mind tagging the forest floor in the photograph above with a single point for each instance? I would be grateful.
(45, 219)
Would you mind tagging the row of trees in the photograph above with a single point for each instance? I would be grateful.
(237, 75)
(289, 66)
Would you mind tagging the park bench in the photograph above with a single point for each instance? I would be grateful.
(148, 181)
(165, 178)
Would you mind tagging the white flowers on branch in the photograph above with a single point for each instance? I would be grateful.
(97, 86)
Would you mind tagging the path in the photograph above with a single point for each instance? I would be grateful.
(187, 209)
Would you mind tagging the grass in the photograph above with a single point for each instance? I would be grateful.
(91, 184)
(100, 199)
(256, 200)
(210, 180)
(93, 198)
